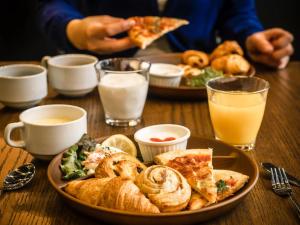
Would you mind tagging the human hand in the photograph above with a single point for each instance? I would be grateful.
(94, 33)
(271, 47)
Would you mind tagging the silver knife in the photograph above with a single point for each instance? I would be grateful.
(293, 180)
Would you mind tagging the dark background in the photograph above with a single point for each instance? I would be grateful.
(22, 39)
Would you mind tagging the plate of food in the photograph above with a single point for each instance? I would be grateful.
(198, 67)
(104, 179)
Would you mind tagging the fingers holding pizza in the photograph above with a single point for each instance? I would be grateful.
(97, 33)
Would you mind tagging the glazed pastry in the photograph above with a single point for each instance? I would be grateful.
(226, 48)
(195, 58)
(116, 193)
(227, 182)
(119, 164)
(165, 187)
(231, 64)
(196, 166)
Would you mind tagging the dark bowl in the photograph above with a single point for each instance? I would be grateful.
(224, 157)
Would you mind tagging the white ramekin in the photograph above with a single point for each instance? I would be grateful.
(149, 149)
(165, 75)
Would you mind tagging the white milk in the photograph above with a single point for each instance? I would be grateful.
(123, 95)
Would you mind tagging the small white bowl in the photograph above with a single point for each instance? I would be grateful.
(165, 75)
(149, 148)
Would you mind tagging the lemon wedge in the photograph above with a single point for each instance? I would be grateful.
(122, 142)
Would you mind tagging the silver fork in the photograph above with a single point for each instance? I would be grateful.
(281, 186)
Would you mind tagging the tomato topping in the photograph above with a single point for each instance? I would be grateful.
(162, 140)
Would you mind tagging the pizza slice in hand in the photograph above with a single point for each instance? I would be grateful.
(149, 28)
(196, 166)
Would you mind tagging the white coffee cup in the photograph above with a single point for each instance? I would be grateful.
(22, 85)
(48, 130)
(71, 74)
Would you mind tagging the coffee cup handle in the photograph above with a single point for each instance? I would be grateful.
(7, 133)
(44, 61)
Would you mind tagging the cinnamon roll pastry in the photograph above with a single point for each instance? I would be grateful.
(196, 166)
(226, 48)
(119, 164)
(231, 64)
(195, 58)
(165, 187)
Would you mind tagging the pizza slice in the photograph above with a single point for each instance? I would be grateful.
(149, 28)
(196, 166)
(227, 182)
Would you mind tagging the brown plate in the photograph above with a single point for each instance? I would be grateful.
(234, 160)
(182, 92)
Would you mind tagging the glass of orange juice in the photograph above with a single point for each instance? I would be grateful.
(236, 106)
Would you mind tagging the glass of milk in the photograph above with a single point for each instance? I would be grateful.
(236, 106)
(123, 88)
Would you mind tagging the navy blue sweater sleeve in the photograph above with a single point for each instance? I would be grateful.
(238, 20)
(54, 17)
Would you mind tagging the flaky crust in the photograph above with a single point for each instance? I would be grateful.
(119, 164)
(122, 193)
(115, 193)
(231, 64)
(165, 187)
(226, 48)
(195, 58)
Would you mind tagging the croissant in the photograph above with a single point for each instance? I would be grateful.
(226, 48)
(119, 164)
(87, 190)
(116, 193)
(195, 58)
(165, 187)
(231, 64)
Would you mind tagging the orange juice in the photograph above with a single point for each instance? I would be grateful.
(236, 116)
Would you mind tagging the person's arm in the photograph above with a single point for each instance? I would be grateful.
(54, 17)
(71, 31)
(238, 20)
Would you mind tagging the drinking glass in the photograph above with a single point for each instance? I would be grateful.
(123, 89)
(236, 106)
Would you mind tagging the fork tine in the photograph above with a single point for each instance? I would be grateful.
(273, 178)
(286, 181)
(282, 183)
(276, 177)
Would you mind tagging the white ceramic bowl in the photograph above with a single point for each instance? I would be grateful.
(149, 148)
(166, 75)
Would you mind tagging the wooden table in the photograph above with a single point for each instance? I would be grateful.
(277, 142)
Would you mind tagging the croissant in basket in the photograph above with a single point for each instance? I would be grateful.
(119, 164)
(165, 187)
(231, 64)
(195, 58)
(115, 193)
(226, 48)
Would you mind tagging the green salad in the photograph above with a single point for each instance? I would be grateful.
(71, 162)
(205, 75)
